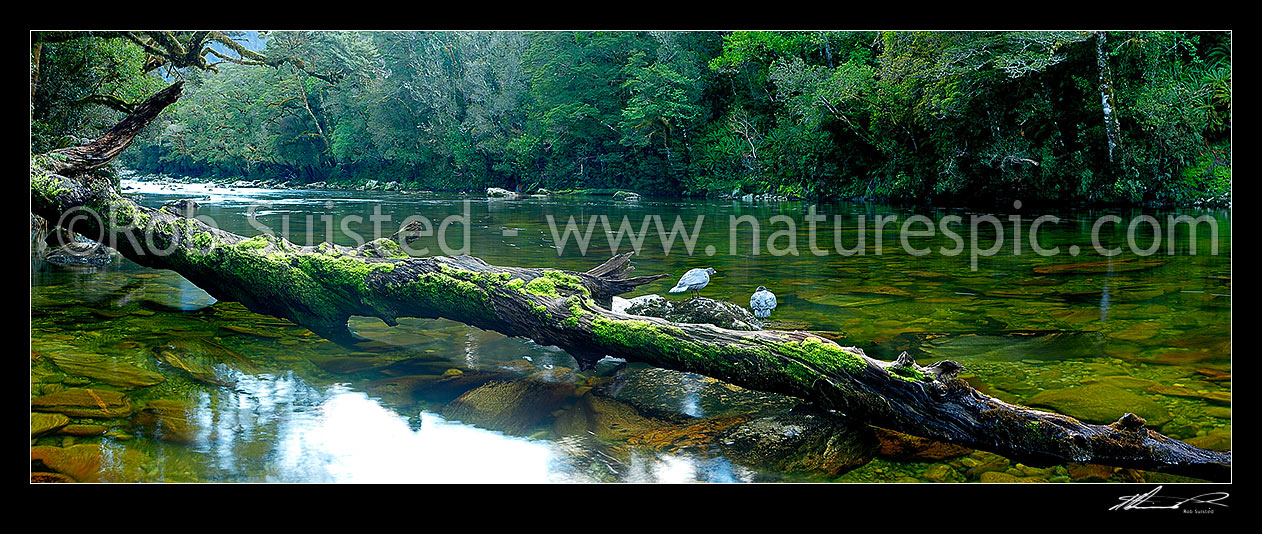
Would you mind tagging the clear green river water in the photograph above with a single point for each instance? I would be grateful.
(1087, 335)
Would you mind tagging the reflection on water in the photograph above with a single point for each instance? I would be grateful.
(305, 410)
(278, 429)
(349, 437)
(691, 405)
(679, 469)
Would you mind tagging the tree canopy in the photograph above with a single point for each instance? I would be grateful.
(944, 116)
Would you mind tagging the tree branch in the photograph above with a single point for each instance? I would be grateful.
(71, 161)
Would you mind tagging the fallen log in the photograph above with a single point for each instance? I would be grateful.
(322, 286)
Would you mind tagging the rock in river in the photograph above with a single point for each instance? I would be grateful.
(203, 360)
(184, 207)
(1101, 404)
(104, 369)
(167, 420)
(82, 254)
(802, 440)
(80, 402)
(513, 407)
(608, 419)
(43, 423)
(93, 462)
(908, 448)
(699, 310)
(496, 192)
(664, 391)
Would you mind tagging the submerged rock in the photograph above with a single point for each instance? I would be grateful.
(81, 402)
(43, 423)
(804, 439)
(93, 462)
(512, 407)
(105, 369)
(47, 477)
(251, 331)
(1172, 390)
(1218, 439)
(997, 477)
(1090, 472)
(39, 233)
(610, 419)
(1220, 412)
(664, 391)
(83, 430)
(1101, 404)
(698, 310)
(167, 420)
(904, 447)
(198, 367)
(1101, 266)
(347, 364)
(941, 473)
(981, 462)
(406, 389)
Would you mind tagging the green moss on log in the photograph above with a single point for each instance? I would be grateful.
(567, 281)
(542, 286)
(824, 356)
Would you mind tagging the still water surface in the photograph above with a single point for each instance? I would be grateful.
(1084, 332)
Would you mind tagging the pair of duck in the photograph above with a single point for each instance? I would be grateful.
(762, 301)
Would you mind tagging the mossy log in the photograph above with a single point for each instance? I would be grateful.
(322, 286)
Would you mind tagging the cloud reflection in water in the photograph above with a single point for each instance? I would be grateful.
(280, 429)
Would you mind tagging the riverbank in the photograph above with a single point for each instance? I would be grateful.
(1209, 201)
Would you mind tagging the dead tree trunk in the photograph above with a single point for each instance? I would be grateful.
(320, 287)
(1112, 128)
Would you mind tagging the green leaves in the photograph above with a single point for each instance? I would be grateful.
(81, 87)
(910, 115)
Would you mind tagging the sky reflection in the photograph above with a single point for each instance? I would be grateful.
(279, 429)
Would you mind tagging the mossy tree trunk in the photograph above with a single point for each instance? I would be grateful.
(322, 286)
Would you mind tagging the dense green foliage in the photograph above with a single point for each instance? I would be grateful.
(84, 87)
(945, 116)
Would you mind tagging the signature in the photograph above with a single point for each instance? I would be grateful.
(1152, 501)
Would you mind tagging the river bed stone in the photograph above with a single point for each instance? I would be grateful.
(83, 430)
(105, 369)
(81, 402)
(899, 446)
(662, 390)
(512, 407)
(167, 420)
(93, 462)
(43, 423)
(700, 310)
(1100, 403)
(803, 440)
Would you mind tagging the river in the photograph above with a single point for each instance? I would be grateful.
(1075, 331)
